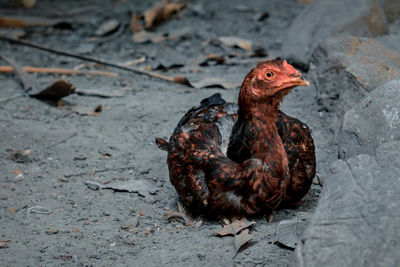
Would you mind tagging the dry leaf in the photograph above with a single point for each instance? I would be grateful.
(135, 23)
(234, 41)
(107, 27)
(13, 210)
(76, 229)
(160, 13)
(235, 227)
(55, 91)
(242, 239)
(182, 80)
(3, 243)
(146, 37)
(288, 232)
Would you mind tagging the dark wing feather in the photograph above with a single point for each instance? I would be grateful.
(199, 136)
(299, 146)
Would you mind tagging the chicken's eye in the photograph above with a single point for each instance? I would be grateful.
(269, 75)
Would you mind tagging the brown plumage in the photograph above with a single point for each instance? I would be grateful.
(245, 159)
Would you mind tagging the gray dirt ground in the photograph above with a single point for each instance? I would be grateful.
(89, 222)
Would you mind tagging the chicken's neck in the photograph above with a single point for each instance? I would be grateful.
(260, 122)
(255, 135)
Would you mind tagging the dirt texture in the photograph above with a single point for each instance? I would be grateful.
(49, 152)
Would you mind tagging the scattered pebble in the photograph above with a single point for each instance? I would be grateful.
(52, 231)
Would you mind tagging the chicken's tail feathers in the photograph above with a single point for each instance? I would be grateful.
(215, 99)
(162, 144)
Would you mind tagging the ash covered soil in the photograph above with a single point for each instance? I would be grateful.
(48, 152)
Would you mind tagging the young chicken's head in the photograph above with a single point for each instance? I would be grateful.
(273, 78)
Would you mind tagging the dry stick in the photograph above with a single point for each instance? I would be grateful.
(60, 52)
(8, 69)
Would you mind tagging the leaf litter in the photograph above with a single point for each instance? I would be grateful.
(239, 229)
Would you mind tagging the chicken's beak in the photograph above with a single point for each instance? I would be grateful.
(299, 81)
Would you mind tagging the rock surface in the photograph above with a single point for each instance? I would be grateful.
(346, 68)
(326, 18)
(373, 121)
(357, 221)
(391, 9)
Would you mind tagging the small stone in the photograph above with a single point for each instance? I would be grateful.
(131, 223)
(52, 231)
(149, 200)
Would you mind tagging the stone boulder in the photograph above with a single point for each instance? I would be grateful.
(357, 221)
(391, 41)
(346, 68)
(391, 9)
(326, 18)
(373, 121)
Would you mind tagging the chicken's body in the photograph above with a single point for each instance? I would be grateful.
(222, 161)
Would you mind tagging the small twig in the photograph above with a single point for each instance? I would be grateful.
(103, 62)
(11, 98)
(9, 69)
(63, 141)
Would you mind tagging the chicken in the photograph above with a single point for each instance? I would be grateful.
(245, 159)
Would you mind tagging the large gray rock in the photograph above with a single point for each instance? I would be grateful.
(345, 68)
(357, 221)
(325, 18)
(391, 41)
(373, 121)
(391, 9)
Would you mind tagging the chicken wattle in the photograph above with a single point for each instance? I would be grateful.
(244, 159)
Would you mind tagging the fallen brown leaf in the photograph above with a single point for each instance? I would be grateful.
(13, 210)
(76, 229)
(235, 227)
(182, 80)
(146, 37)
(242, 239)
(107, 27)
(55, 91)
(135, 23)
(160, 13)
(234, 41)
